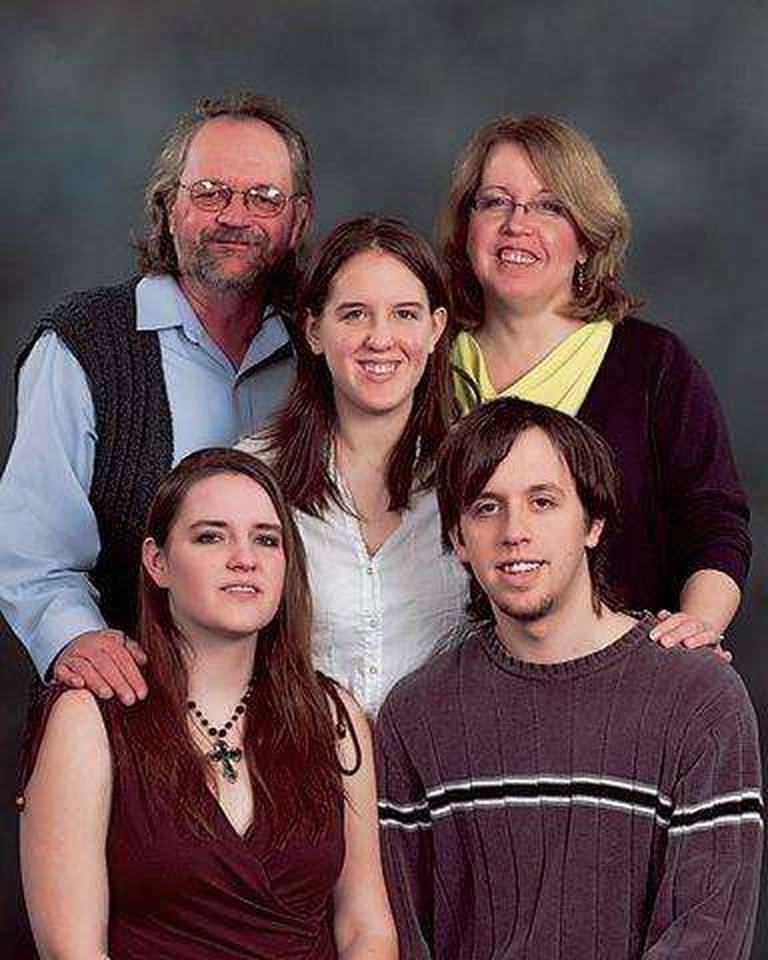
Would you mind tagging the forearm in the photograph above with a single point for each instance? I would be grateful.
(711, 596)
(367, 945)
(49, 537)
(68, 952)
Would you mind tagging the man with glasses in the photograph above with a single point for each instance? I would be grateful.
(558, 784)
(119, 383)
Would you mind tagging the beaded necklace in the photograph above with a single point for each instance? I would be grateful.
(222, 752)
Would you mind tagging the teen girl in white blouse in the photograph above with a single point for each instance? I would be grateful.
(354, 450)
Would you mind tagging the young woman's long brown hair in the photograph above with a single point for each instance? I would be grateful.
(298, 439)
(289, 739)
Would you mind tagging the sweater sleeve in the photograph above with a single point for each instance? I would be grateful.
(406, 840)
(706, 902)
(707, 509)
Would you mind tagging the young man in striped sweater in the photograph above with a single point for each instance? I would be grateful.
(557, 785)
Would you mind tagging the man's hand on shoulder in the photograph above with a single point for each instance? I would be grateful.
(106, 662)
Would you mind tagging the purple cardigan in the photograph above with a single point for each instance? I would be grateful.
(683, 508)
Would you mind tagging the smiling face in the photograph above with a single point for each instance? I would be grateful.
(233, 250)
(521, 258)
(525, 536)
(376, 332)
(223, 562)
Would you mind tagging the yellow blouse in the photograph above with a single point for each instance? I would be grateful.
(561, 379)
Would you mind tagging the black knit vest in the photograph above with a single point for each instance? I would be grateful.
(133, 423)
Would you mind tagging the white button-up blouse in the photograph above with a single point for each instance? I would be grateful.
(378, 618)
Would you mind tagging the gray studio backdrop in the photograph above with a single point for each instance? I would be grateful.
(673, 92)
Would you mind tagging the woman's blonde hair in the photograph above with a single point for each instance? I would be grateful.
(571, 167)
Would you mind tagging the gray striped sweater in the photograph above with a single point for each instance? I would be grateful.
(606, 807)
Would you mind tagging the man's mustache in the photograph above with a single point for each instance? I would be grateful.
(233, 235)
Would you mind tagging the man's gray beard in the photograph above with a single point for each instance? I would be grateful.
(204, 269)
(531, 615)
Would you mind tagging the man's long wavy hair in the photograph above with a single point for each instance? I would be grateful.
(155, 252)
(478, 443)
(288, 737)
(298, 439)
(571, 167)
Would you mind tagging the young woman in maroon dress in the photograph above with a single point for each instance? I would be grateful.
(231, 814)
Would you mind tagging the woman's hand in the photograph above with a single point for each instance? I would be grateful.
(708, 601)
(689, 631)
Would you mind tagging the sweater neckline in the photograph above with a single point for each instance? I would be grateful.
(567, 669)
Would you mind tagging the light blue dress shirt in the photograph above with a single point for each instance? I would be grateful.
(49, 538)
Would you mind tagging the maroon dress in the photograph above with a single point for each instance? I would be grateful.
(176, 897)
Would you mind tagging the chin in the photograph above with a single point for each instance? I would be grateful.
(529, 612)
(379, 407)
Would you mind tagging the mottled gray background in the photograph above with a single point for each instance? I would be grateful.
(673, 92)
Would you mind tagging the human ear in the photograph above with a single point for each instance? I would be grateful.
(155, 563)
(439, 320)
(302, 210)
(311, 324)
(457, 542)
(594, 531)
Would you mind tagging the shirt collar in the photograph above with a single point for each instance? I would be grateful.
(161, 305)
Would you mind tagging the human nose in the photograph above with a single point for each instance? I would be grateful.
(515, 529)
(514, 221)
(236, 212)
(242, 555)
(379, 332)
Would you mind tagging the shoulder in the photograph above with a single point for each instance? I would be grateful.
(49, 360)
(65, 727)
(88, 304)
(340, 700)
(78, 711)
(351, 725)
(634, 333)
(701, 686)
(416, 696)
(651, 358)
(258, 445)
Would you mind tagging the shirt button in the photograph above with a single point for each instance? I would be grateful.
(372, 621)
(372, 670)
(369, 569)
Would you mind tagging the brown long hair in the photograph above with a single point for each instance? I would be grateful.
(155, 252)
(298, 438)
(288, 741)
(478, 443)
(570, 165)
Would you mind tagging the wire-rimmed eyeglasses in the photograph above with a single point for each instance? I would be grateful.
(262, 199)
(495, 201)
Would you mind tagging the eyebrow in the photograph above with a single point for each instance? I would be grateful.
(546, 488)
(222, 524)
(533, 489)
(510, 193)
(361, 303)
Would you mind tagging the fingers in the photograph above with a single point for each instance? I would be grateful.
(118, 670)
(70, 678)
(682, 628)
(135, 651)
(725, 655)
(92, 679)
(688, 631)
(106, 662)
